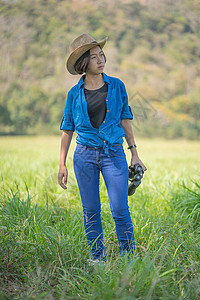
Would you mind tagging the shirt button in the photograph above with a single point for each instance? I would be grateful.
(108, 110)
(107, 100)
(104, 121)
(99, 131)
(104, 141)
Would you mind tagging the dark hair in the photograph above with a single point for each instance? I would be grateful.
(81, 65)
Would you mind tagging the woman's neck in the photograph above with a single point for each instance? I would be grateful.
(93, 82)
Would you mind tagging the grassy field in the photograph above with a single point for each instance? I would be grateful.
(43, 248)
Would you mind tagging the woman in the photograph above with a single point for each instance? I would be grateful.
(97, 109)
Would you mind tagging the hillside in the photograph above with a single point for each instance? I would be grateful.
(153, 47)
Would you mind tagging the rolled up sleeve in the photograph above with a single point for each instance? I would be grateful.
(126, 109)
(67, 122)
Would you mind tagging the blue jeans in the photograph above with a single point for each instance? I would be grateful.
(88, 162)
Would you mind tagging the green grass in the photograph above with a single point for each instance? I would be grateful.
(43, 248)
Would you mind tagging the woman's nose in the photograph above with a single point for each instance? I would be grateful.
(99, 60)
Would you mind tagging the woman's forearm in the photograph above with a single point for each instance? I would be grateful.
(65, 144)
(126, 125)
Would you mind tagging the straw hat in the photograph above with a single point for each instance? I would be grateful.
(78, 47)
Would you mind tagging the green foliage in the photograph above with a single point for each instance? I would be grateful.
(187, 202)
(156, 48)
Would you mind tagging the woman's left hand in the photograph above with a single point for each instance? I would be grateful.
(136, 160)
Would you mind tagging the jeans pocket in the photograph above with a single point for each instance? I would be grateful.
(79, 149)
(118, 152)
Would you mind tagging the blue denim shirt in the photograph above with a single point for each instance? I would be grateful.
(76, 116)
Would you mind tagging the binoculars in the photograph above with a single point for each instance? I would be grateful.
(135, 175)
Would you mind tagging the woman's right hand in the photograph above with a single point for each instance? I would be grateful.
(62, 173)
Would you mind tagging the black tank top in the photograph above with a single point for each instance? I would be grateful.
(96, 105)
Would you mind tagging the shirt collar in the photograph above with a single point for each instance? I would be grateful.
(81, 81)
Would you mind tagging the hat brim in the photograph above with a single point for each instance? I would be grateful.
(74, 56)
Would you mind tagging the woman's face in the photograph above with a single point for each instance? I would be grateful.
(97, 61)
